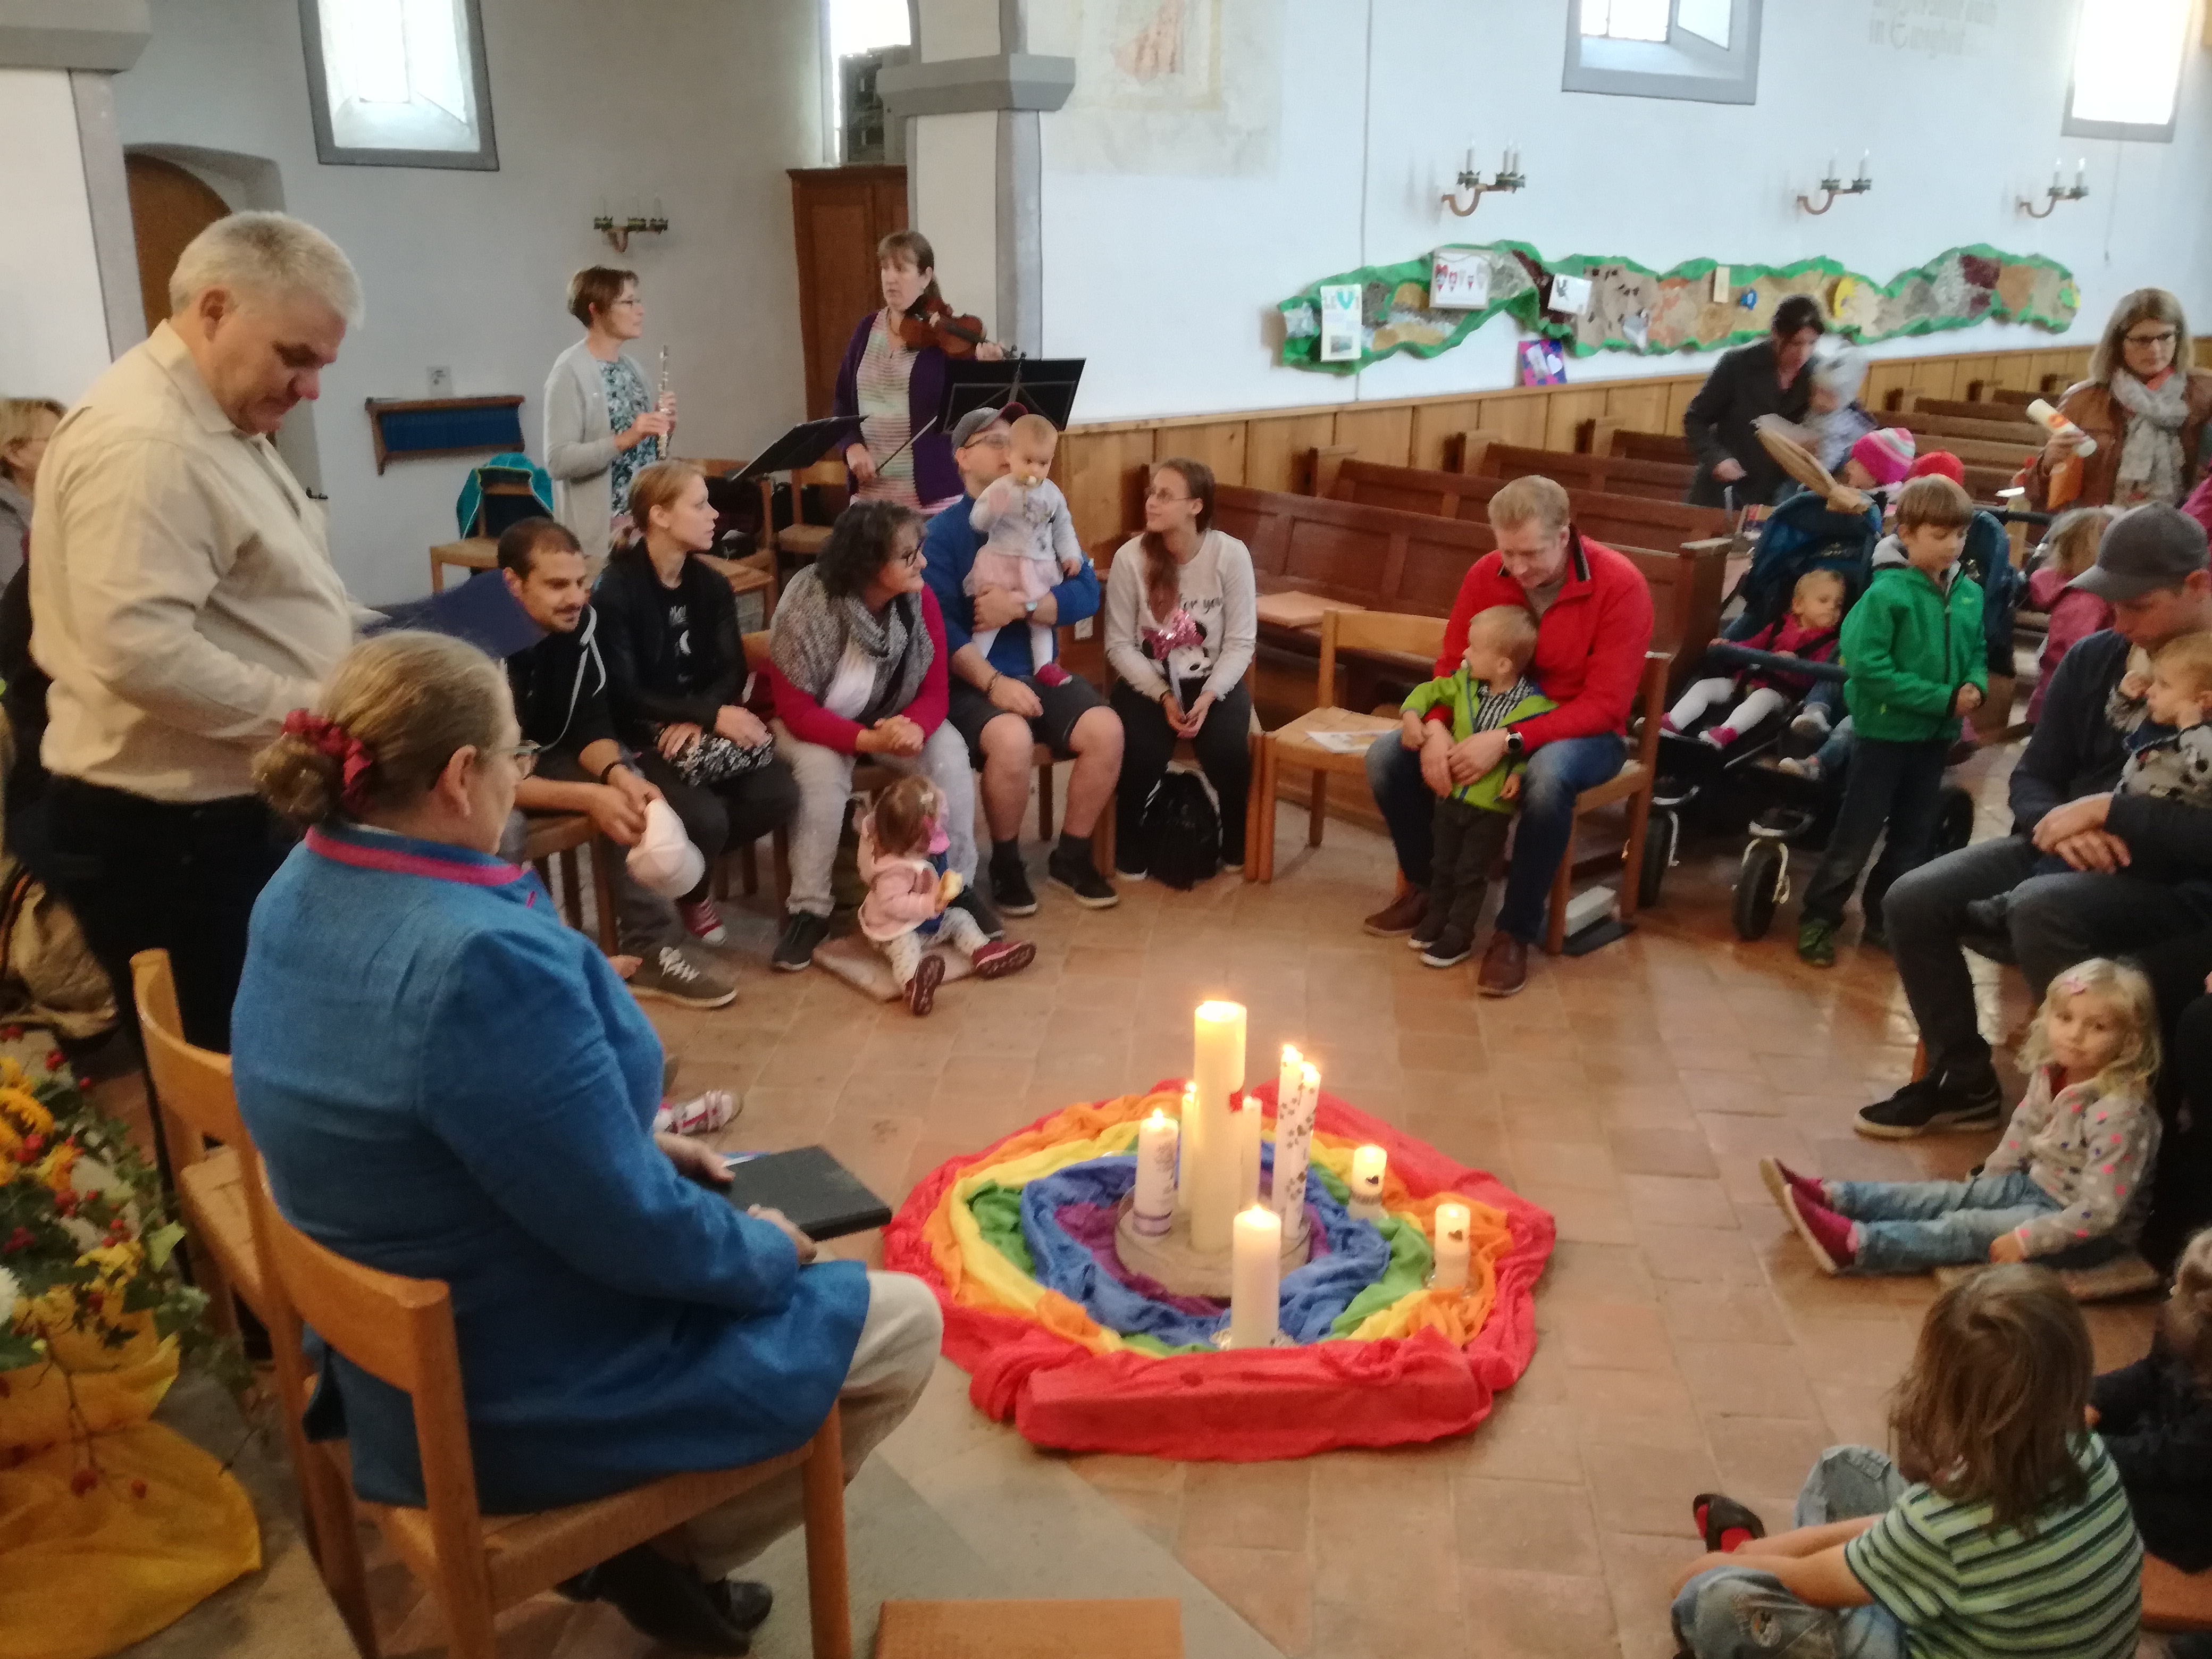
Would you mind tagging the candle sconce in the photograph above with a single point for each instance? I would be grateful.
(1508, 177)
(2052, 197)
(619, 231)
(1833, 189)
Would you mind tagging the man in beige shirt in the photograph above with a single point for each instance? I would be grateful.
(183, 601)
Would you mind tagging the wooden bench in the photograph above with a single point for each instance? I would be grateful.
(2012, 418)
(1612, 475)
(1671, 446)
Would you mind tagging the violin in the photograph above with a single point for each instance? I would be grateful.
(931, 321)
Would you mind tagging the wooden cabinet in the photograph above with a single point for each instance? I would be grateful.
(839, 215)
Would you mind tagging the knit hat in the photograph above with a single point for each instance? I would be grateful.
(1940, 464)
(2147, 548)
(1886, 454)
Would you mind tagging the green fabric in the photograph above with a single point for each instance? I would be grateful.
(1908, 648)
(998, 1212)
(1459, 698)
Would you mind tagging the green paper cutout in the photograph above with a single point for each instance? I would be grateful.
(1635, 309)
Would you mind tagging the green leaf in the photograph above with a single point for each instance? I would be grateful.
(161, 1242)
(15, 1350)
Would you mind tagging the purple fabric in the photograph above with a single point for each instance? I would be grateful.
(1091, 1226)
(935, 476)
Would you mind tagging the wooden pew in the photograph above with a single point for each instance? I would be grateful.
(1613, 475)
(2012, 418)
(1653, 447)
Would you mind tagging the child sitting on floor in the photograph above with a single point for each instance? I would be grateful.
(2075, 613)
(1816, 610)
(2070, 1185)
(1488, 690)
(2001, 1528)
(910, 908)
(1032, 544)
(2155, 1418)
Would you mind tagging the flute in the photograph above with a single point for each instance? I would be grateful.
(664, 401)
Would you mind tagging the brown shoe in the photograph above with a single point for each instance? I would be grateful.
(1505, 967)
(1399, 915)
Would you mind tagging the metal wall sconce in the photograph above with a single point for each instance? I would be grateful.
(1508, 177)
(619, 231)
(2057, 192)
(1833, 188)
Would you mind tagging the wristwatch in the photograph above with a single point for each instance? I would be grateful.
(1516, 745)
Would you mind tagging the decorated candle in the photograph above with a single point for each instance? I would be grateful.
(1248, 1151)
(1368, 1164)
(1209, 1138)
(1153, 1208)
(1295, 1106)
(1255, 1277)
(1451, 1240)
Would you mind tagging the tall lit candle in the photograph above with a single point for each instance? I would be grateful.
(1255, 1277)
(1248, 1152)
(1184, 1125)
(1153, 1208)
(1368, 1164)
(1295, 1108)
(1209, 1146)
(1451, 1241)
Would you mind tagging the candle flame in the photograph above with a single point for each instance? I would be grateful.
(1290, 1056)
(1309, 1074)
(1219, 1010)
(1159, 1114)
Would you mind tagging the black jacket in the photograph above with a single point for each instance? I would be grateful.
(559, 687)
(641, 679)
(2157, 1423)
(26, 699)
(1742, 386)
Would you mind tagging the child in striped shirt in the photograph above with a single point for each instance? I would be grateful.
(2001, 1530)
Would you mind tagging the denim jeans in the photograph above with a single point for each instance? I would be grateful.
(1741, 1613)
(1556, 773)
(1891, 788)
(1909, 1226)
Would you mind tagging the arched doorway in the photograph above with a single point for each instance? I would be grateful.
(169, 206)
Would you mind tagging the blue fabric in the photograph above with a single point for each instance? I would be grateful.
(948, 553)
(1909, 1226)
(448, 1083)
(1311, 1297)
(471, 497)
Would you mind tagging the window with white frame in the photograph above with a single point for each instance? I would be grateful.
(398, 83)
(2127, 56)
(1705, 50)
(855, 35)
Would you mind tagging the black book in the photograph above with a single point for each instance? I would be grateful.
(823, 1199)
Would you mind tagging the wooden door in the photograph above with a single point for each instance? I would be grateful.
(168, 208)
(839, 215)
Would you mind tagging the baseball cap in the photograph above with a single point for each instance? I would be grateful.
(976, 419)
(2145, 549)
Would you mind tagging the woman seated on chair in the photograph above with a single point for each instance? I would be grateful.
(676, 677)
(446, 1083)
(1180, 630)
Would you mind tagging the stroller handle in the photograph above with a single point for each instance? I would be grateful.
(1743, 656)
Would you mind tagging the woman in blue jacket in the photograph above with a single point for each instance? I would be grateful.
(448, 1083)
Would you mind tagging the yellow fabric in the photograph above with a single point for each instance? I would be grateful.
(163, 1527)
(1458, 1314)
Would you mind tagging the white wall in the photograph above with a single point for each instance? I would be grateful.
(702, 103)
(1168, 285)
(53, 335)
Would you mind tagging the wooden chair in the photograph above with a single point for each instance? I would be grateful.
(1418, 637)
(401, 1331)
(552, 839)
(1633, 784)
(799, 538)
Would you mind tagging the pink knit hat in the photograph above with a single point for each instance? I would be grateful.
(1886, 454)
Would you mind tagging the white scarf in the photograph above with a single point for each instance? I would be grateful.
(2151, 462)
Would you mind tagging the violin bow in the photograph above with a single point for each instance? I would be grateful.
(908, 444)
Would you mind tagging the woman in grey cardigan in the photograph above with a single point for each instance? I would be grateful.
(601, 425)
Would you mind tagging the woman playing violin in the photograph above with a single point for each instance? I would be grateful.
(893, 379)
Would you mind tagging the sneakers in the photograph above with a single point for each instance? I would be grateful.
(701, 1116)
(1816, 944)
(1077, 874)
(921, 989)
(1808, 768)
(1010, 888)
(1725, 1524)
(704, 920)
(1782, 1181)
(1452, 946)
(1051, 674)
(1401, 915)
(1005, 956)
(979, 909)
(1123, 873)
(1717, 737)
(1929, 1105)
(1832, 1239)
(803, 934)
(686, 975)
(1807, 733)
(1427, 928)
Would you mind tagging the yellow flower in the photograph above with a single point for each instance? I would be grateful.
(19, 1109)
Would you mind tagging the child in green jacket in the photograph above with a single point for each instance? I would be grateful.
(1488, 691)
(1912, 648)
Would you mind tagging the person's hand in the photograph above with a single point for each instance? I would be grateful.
(2071, 818)
(1196, 718)
(998, 607)
(1171, 705)
(2006, 1247)
(1015, 695)
(1511, 789)
(2094, 852)
(2091, 1417)
(675, 738)
(633, 786)
(782, 1223)
(2060, 445)
(695, 1160)
(1968, 699)
(616, 816)
(1703, 1564)
(1728, 470)
(1413, 730)
(625, 966)
(990, 351)
(2135, 687)
(740, 725)
(899, 735)
(650, 424)
(860, 463)
(1478, 755)
(1436, 760)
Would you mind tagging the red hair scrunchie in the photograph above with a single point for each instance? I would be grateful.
(341, 746)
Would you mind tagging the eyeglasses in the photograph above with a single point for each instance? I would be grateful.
(2166, 337)
(909, 560)
(524, 756)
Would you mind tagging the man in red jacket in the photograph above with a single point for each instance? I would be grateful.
(1593, 626)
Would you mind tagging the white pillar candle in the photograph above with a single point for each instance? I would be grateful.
(1368, 1164)
(1294, 1127)
(1451, 1241)
(1153, 1208)
(1184, 1158)
(1210, 1147)
(1255, 1277)
(1248, 1152)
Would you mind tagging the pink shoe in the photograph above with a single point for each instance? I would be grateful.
(703, 921)
(1717, 737)
(1003, 957)
(1833, 1239)
(1781, 1181)
(1051, 674)
(1667, 723)
(701, 1116)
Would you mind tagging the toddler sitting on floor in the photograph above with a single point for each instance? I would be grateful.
(2155, 1419)
(1816, 611)
(909, 907)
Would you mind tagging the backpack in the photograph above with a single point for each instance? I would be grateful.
(1182, 832)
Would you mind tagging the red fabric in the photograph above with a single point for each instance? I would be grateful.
(2075, 613)
(1241, 1407)
(2199, 504)
(1589, 645)
(1940, 463)
(809, 722)
(1791, 638)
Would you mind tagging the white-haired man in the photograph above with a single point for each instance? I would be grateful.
(183, 601)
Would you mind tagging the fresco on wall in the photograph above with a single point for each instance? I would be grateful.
(1700, 306)
(1185, 87)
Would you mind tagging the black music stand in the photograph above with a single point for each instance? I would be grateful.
(1044, 385)
(803, 445)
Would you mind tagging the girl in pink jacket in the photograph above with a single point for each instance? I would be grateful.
(907, 911)
(2067, 550)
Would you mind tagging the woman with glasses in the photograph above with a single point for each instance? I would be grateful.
(445, 1082)
(603, 422)
(2142, 405)
(675, 681)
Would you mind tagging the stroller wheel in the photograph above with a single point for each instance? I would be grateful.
(1761, 885)
(1954, 819)
(1661, 836)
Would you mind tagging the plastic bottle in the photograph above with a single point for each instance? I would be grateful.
(2055, 423)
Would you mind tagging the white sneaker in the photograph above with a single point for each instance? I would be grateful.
(1807, 768)
(701, 1116)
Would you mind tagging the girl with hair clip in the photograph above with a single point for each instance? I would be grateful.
(2155, 1418)
(2070, 1184)
(909, 906)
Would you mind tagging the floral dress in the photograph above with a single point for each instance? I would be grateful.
(627, 398)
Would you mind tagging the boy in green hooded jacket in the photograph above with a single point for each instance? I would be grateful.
(1913, 651)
